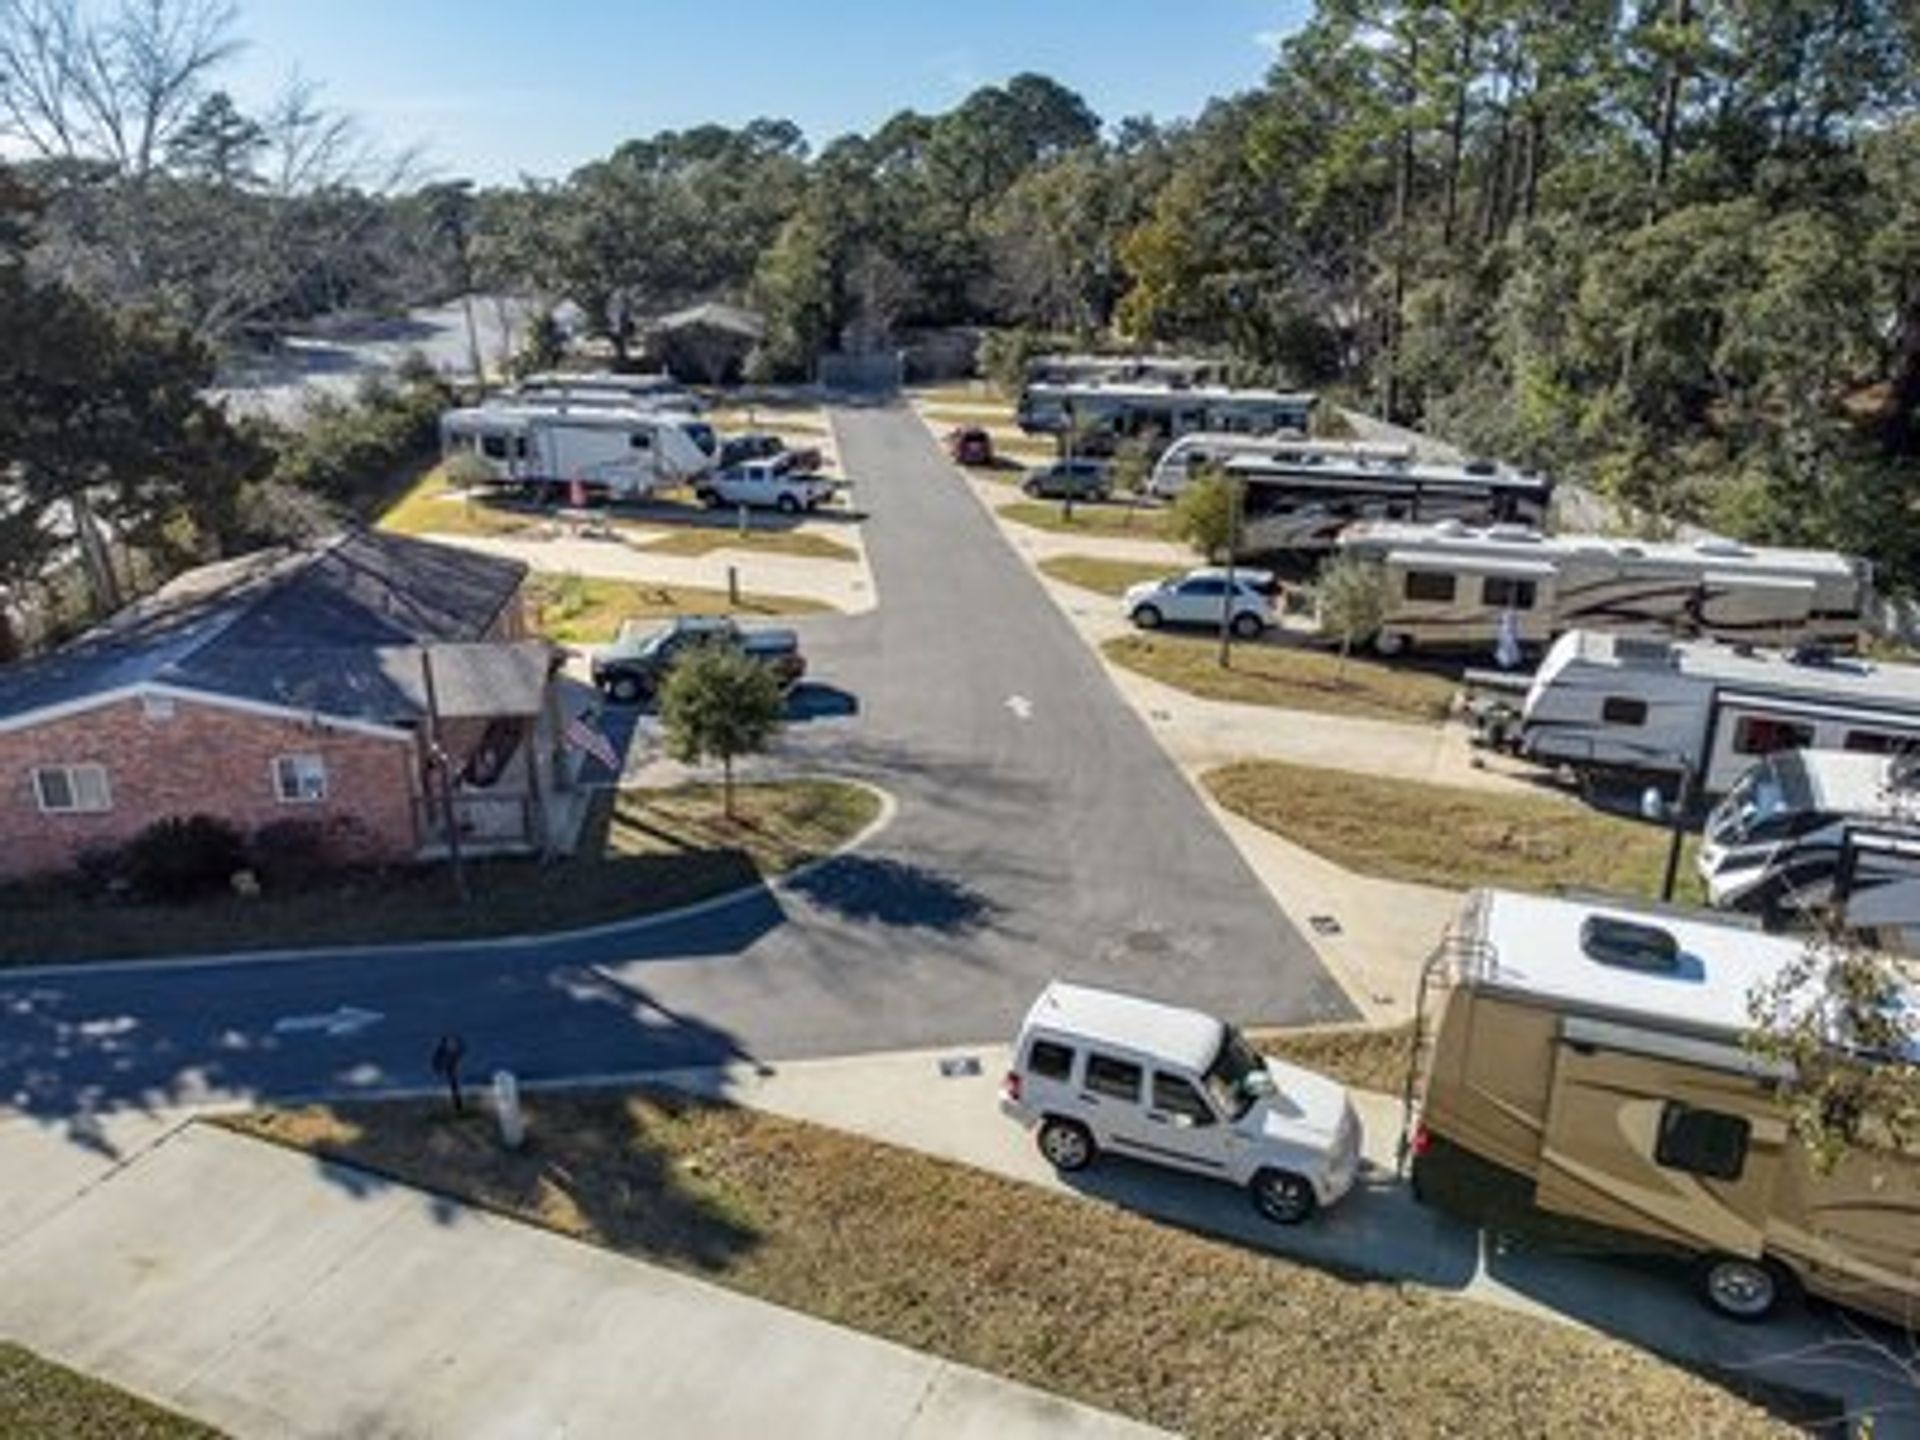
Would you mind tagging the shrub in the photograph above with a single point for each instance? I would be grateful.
(184, 857)
(290, 854)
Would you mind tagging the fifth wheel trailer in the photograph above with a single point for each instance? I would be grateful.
(1604, 702)
(1586, 1071)
(623, 454)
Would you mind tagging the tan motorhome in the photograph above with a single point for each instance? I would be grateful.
(1585, 1063)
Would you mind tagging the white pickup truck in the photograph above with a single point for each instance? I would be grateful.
(765, 484)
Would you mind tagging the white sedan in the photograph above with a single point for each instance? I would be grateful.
(1199, 597)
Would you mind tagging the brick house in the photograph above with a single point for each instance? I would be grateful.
(292, 683)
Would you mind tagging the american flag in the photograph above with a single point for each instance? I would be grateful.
(585, 736)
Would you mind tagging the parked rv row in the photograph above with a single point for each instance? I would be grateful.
(1574, 1060)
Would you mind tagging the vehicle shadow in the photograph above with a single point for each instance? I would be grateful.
(811, 700)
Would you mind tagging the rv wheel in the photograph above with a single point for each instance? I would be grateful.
(1389, 642)
(1742, 1289)
(1283, 1197)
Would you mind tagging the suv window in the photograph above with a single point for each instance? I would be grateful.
(1117, 1078)
(1177, 1097)
(1050, 1060)
(1206, 586)
(1702, 1142)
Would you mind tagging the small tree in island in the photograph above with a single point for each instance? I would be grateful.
(718, 704)
(1351, 602)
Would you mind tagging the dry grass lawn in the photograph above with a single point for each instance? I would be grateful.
(1067, 1294)
(1104, 577)
(431, 508)
(1291, 677)
(642, 852)
(587, 610)
(1111, 519)
(706, 539)
(1445, 835)
(41, 1399)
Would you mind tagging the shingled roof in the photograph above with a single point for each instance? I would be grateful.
(297, 627)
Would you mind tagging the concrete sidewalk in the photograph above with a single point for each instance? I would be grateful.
(911, 1099)
(272, 1295)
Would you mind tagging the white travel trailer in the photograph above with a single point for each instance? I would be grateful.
(1156, 369)
(1605, 702)
(1819, 830)
(1449, 584)
(618, 453)
(1301, 500)
(1181, 460)
(1163, 411)
(603, 388)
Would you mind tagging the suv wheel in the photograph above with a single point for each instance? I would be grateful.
(1742, 1289)
(626, 690)
(1248, 625)
(1147, 617)
(1066, 1144)
(1283, 1197)
(787, 505)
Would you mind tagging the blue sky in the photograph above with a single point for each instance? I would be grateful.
(491, 89)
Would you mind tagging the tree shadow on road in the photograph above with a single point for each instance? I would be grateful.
(895, 893)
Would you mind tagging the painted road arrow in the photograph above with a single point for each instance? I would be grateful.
(340, 1021)
(1021, 707)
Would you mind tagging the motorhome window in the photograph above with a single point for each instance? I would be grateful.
(1763, 735)
(519, 447)
(1050, 1060)
(1119, 1079)
(494, 447)
(1506, 592)
(1702, 1142)
(1875, 742)
(1629, 945)
(1429, 585)
(1623, 710)
(1177, 1097)
(641, 440)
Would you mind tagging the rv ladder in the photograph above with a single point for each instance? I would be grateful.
(1457, 955)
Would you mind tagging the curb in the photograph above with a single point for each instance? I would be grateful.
(889, 807)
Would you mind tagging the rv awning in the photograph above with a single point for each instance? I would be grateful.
(1472, 564)
(1818, 709)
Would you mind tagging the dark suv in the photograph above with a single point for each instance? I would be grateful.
(1077, 479)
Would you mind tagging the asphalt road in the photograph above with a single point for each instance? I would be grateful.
(1040, 831)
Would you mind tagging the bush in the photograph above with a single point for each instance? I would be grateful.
(347, 452)
(291, 853)
(183, 858)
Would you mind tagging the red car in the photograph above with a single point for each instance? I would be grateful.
(970, 445)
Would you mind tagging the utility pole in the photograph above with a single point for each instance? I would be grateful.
(443, 772)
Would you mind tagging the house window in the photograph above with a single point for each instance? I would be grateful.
(300, 779)
(72, 789)
(1762, 735)
(1702, 1142)
(1050, 1060)
(1119, 1079)
(1623, 710)
(1429, 585)
(1176, 1097)
(1506, 592)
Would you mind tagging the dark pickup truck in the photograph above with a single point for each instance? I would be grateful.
(630, 670)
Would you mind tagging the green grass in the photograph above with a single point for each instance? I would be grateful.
(706, 539)
(41, 1399)
(1112, 520)
(588, 610)
(1289, 677)
(643, 851)
(1082, 1298)
(1450, 836)
(1104, 577)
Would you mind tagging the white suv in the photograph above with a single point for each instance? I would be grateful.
(1098, 1070)
(1198, 597)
